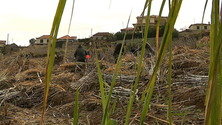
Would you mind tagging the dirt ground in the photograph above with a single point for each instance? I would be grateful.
(22, 82)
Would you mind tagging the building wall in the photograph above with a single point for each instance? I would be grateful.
(198, 27)
(99, 38)
(62, 43)
(152, 20)
(141, 20)
(38, 41)
(64, 40)
(1, 45)
(11, 48)
(208, 27)
(144, 20)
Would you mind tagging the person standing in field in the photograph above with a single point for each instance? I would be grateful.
(80, 54)
(117, 51)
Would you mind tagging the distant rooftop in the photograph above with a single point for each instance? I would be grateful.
(204, 24)
(44, 37)
(68, 37)
(101, 34)
(2, 41)
(152, 16)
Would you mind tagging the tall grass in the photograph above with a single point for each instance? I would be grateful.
(64, 60)
(158, 26)
(174, 10)
(76, 115)
(130, 104)
(174, 7)
(213, 95)
(51, 52)
(108, 98)
(205, 6)
(102, 91)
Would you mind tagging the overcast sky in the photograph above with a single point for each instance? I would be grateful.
(26, 19)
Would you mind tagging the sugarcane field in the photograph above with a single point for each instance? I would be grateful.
(22, 84)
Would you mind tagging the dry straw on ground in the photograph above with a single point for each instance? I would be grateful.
(26, 76)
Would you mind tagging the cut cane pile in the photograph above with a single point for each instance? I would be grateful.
(22, 83)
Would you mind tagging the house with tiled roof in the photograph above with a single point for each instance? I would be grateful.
(2, 43)
(101, 36)
(70, 38)
(197, 26)
(42, 40)
(62, 40)
(141, 21)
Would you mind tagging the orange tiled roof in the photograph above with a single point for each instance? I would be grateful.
(68, 37)
(44, 37)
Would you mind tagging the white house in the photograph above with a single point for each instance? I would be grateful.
(44, 39)
(197, 26)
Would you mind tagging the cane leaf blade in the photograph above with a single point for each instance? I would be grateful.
(51, 52)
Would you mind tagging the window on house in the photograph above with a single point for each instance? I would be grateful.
(41, 41)
(96, 38)
(205, 27)
(198, 27)
(47, 41)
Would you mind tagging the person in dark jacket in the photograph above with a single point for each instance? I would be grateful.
(117, 51)
(80, 54)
